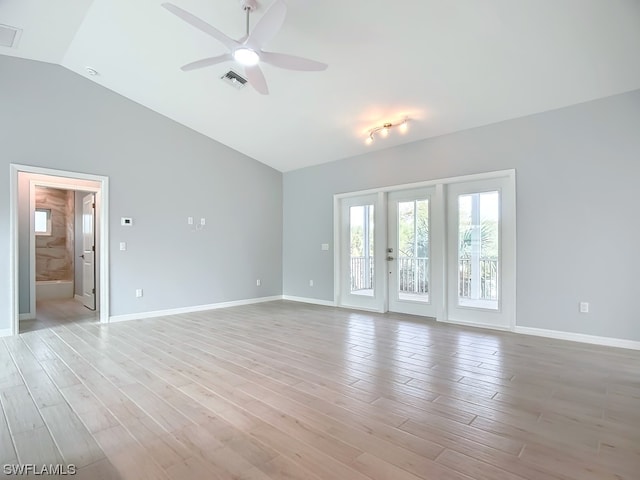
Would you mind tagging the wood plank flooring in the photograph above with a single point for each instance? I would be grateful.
(283, 390)
(53, 313)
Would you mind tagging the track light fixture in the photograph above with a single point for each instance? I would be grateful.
(383, 130)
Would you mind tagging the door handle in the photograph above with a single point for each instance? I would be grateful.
(389, 258)
(82, 256)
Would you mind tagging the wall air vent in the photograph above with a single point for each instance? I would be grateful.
(234, 79)
(9, 36)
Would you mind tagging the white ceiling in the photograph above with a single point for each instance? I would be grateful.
(447, 64)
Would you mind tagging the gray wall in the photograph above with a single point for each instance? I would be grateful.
(159, 173)
(578, 181)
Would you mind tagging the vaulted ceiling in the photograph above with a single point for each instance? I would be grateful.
(448, 65)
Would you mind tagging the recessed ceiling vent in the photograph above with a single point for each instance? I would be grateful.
(234, 79)
(9, 36)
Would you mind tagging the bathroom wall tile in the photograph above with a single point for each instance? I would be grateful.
(54, 253)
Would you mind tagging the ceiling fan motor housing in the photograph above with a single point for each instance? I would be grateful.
(250, 5)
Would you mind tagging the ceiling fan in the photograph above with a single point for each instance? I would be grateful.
(248, 49)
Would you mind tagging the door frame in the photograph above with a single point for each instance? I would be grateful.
(102, 240)
(439, 215)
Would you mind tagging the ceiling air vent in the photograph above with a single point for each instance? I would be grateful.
(234, 79)
(9, 36)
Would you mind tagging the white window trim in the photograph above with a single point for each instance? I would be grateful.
(48, 232)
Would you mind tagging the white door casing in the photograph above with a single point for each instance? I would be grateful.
(64, 180)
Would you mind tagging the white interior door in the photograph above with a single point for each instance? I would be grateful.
(411, 264)
(88, 252)
(481, 253)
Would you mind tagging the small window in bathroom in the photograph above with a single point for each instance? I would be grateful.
(43, 221)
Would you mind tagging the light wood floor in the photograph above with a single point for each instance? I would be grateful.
(291, 391)
(52, 313)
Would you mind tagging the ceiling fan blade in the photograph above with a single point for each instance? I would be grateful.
(291, 62)
(201, 25)
(206, 62)
(268, 26)
(256, 79)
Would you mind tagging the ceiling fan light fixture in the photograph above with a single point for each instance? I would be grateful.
(248, 51)
(246, 56)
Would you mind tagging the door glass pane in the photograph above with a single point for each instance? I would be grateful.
(413, 250)
(478, 252)
(361, 234)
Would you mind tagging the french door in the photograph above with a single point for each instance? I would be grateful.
(445, 250)
(481, 253)
(413, 252)
(362, 281)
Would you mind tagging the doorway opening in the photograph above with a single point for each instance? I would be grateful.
(59, 225)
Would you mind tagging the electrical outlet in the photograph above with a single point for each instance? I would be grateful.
(189, 220)
(311, 283)
(123, 246)
(258, 282)
(203, 222)
(138, 292)
(584, 307)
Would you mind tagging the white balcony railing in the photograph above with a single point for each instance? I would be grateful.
(487, 276)
(362, 271)
(413, 276)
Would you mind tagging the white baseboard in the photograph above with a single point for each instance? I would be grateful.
(314, 301)
(579, 337)
(477, 325)
(196, 308)
(7, 332)
(26, 316)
